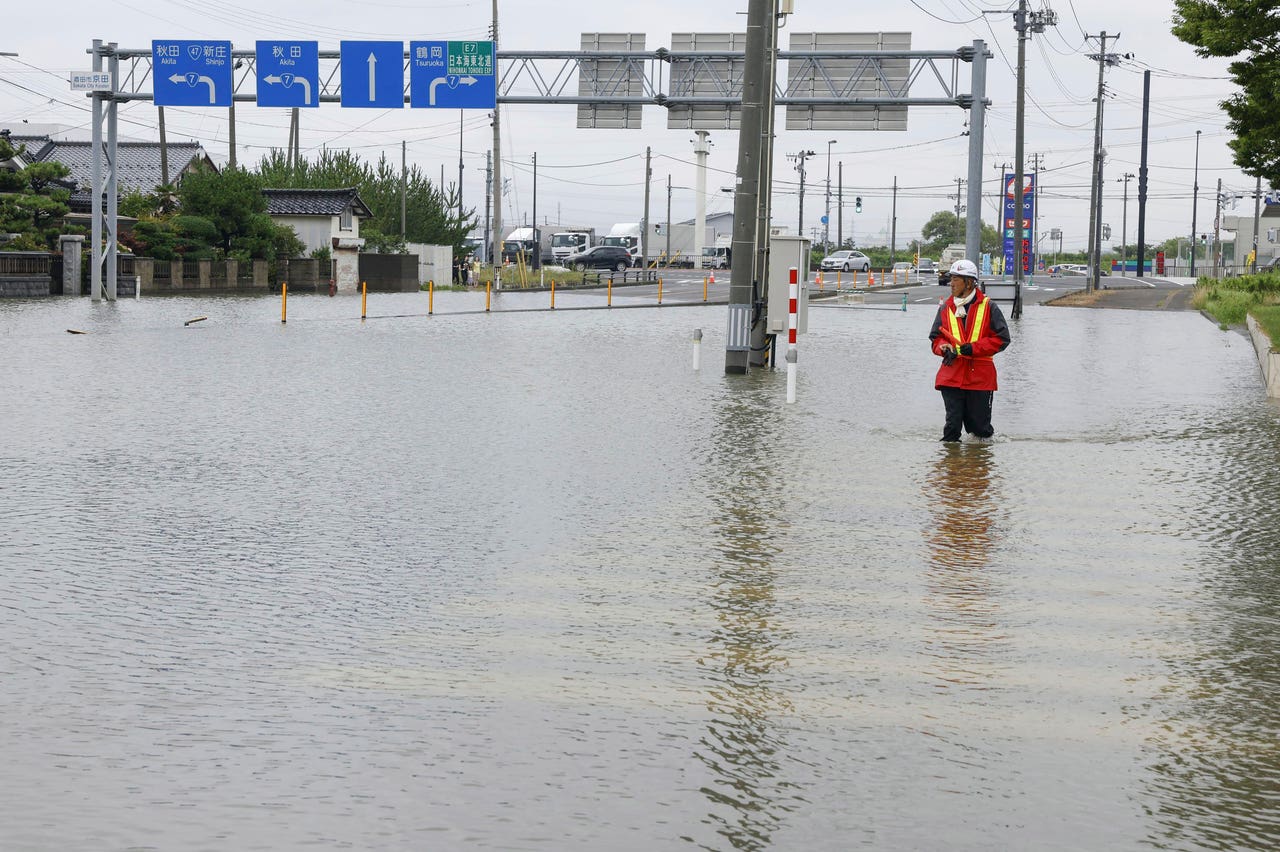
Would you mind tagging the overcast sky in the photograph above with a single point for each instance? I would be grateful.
(596, 177)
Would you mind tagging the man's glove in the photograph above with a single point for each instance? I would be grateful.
(966, 349)
(948, 356)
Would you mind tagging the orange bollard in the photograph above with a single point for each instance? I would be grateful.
(704, 288)
(364, 299)
(431, 296)
(488, 287)
(659, 291)
(609, 292)
(284, 300)
(553, 294)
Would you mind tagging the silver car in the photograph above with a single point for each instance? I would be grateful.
(845, 260)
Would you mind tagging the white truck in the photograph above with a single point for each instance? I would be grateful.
(535, 243)
(718, 256)
(570, 241)
(677, 247)
(627, 235)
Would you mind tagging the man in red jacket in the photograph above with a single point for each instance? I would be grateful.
(968, 330)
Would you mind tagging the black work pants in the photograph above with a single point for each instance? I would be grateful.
(968, 408)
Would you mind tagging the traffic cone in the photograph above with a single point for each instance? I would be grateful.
(712, 279)
(819, 279)
(871, 278)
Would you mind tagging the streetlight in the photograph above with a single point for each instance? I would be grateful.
(1195, 197)
(1124, 225)
(826, 220)
(800, 158)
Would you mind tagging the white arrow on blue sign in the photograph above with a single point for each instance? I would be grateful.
(191, 73)
(373, 74)
(288, 73)
(452, 75)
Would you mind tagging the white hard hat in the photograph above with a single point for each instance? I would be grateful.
(965, 268)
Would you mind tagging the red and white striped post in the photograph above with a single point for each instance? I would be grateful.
(792, 325)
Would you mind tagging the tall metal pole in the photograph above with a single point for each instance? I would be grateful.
(404, 188)
(800, 158)
(164, 149)
(760, 25)
(1124, 229)
(497, 159)
(537, 252)
(113, 180)
(487, 250)
(95, 167)
(977, 127)
(1195, 200)
(764, 183)
(1142, 176)
(461, 113)
(231, 132)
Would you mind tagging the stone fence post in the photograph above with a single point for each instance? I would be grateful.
(71, 245)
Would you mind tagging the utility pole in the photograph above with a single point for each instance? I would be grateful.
(231, 133)
(1095, 188)
(537, 252)
(1195, 203)
(487, 249)
(644, 232)
(1035, 216)
(404, 188)
(1142, 178)
(700, 150)
(1217, 220)
(826, 219)
(840, 206)
(756, 82)
(1023, 22)
(893, 227)
(800, 160)
(959, 195)
(1124, 226)
(668, 251)
(497, 162)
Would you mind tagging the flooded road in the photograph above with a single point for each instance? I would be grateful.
(528, 582)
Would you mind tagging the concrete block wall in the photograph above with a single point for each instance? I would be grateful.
(1268, 359)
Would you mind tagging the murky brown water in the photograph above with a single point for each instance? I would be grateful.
(529, 582)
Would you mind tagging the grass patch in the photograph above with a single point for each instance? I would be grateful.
(1230, 300)
(1268, 316)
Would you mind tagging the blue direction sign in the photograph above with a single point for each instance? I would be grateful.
(452, 75)
(191, 73)
(288, 73)
(373, 74)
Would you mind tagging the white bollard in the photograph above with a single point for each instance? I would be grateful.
(137, 287)
(697, 349)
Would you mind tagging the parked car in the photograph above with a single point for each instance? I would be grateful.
(600, 257)
(927, 265)
(902, 267)
(846, 261)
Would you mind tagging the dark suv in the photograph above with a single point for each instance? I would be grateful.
(600, 257)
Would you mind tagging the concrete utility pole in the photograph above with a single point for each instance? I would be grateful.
(764, 183)
(486, 253)
(977, 126)
(1124, 227)
(800, 160)
(1195, 203)
(1142, 177)
(1217, 221)
(840, 205)
(761, 24)
(497, 164)
(1095, 189)
(1257, 202)
(893, 226)
(644, 231)
(404, 188)
(668, 251)
(826, 218)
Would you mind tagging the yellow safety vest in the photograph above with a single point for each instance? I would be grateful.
(975, 332)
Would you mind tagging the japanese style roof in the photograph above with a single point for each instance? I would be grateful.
(138, 163)
(314, 202)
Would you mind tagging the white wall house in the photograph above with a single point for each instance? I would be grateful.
(324, 218)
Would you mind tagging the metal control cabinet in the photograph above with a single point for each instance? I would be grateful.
(786, 251)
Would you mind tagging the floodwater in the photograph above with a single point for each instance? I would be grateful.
(527, 581)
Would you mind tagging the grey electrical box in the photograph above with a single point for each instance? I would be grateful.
(786, 251)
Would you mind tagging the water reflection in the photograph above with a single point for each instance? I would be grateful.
(742, 746)
(961, 598)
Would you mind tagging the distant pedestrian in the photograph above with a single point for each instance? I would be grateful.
(968, 330)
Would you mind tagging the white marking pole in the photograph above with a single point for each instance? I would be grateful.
(697, 349)
(791, 335)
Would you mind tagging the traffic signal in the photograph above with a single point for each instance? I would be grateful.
(857, 204)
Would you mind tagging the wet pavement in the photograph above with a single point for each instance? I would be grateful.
(527, 581)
